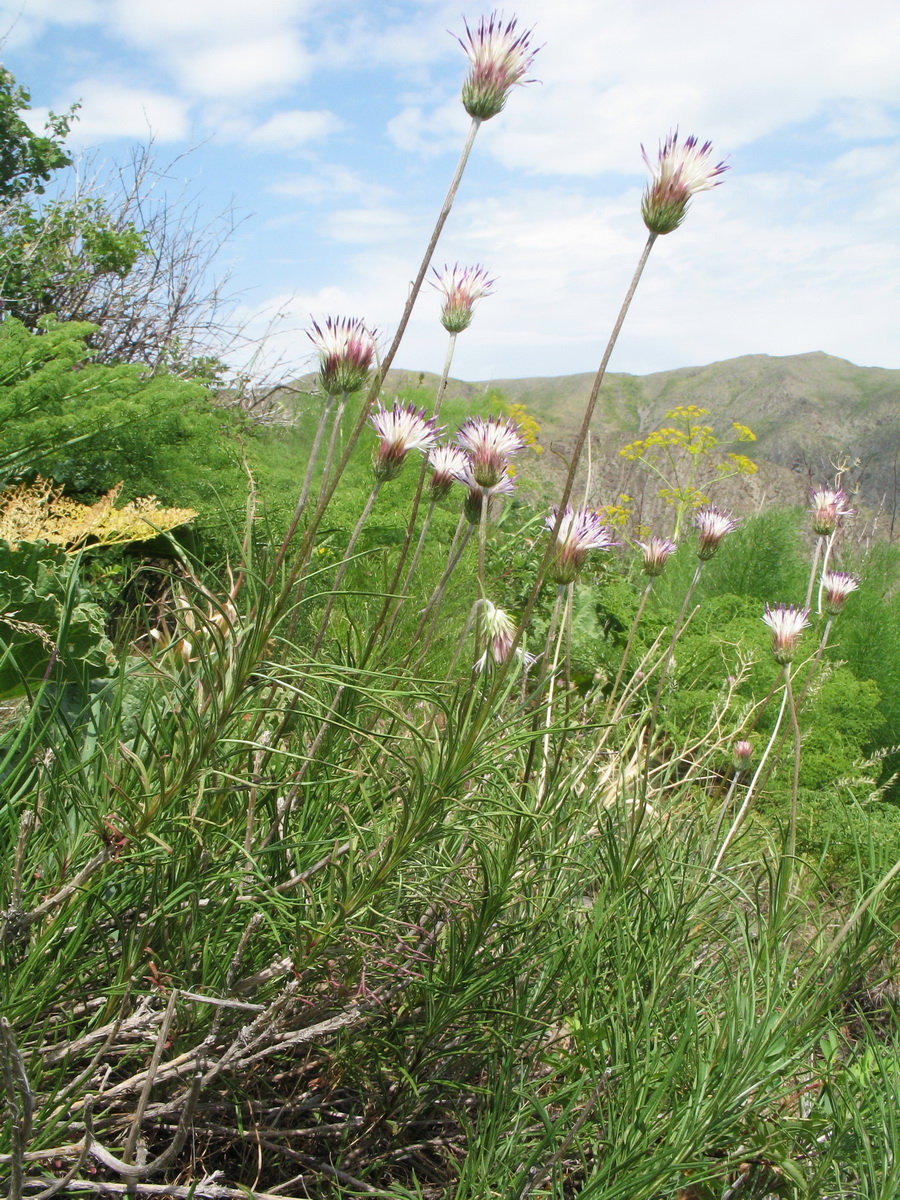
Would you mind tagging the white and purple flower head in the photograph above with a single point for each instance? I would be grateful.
(490, 443)
(787, 622)
(680, 171)
(346, 349)
(499, 58)
(741, 754)
(656, 551)
(836, 587)
(500, 630)
(400, 429)
(448, 463)
(460, 287)
(712, 525)
(478, 496)
(580, 531)
(829, 507)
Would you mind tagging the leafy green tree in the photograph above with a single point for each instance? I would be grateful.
(115, 252)
(27, 159)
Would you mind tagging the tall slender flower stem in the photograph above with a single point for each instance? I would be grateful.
(332, 442)
(667, 658)
(482, 540)
(577, 450)
(326, 470)
(432, 608)
(307, 479)
(812, 574)
(482, 583)
(732, 787)
(810, 675)
(795, 783)
(457, 533)
(394, 597)
(829, 546)
(567, 590)
(551, 631)
(329, 488)
(470, 620)
(736, 823)
(442, 387)
(420, 545)
(342, 570)
(645, 595)
(314, 452)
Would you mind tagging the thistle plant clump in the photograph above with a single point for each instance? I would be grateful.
(319, 884)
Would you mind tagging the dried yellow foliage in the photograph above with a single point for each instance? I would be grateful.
(33, 512)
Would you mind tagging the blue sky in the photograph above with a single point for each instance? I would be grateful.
(332, 128)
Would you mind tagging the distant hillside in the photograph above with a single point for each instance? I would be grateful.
(807, 411)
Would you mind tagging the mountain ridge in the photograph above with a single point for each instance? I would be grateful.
(809, 411)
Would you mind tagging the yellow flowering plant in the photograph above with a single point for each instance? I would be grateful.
(689, 458)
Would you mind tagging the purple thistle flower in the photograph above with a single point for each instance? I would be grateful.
(401, 428)
(447, 464)
(346, 349)
(786, 623)
(713, 525)
(491, 444)
(741, 753)
(477, 496)
(580, 531)
(828, 509)
(680, 171)
(656, 552)
(836, 587)
(501, 633)
(499, 58)
(461, 287)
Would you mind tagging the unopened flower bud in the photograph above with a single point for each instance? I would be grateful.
(741, 754)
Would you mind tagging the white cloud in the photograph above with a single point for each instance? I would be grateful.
(219, 48)
(151, 22)
(21, 23)
(111, 110)
(370, 226)
(616, 75)
(797, 251)
(232, 69)
(295, 127)
(326, 182)
(429, 133)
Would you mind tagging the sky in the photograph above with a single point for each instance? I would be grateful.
(332, 129)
